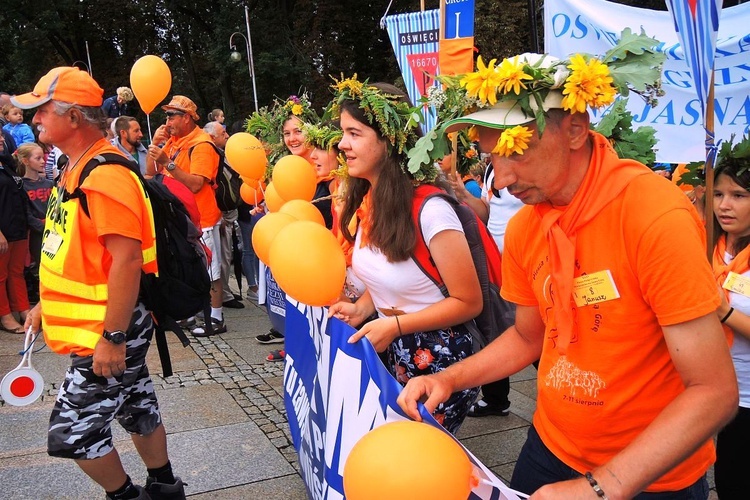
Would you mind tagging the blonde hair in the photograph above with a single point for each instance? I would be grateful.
(22, 155)
(214, 114)
(7, 109)
(125, 94)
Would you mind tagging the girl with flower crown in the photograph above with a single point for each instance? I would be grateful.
(731, 263)
(417, 330)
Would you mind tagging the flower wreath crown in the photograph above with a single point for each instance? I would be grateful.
(523, 88)
(396, 120)
(735, 155)
(267, 123)
(321, 136)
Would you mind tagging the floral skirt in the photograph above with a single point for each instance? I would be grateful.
(424, 353)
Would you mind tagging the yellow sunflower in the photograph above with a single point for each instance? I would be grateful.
(588, 84)
(297, 109)
(473, 134)
(513, 140)
(512, 76)
(483, 83)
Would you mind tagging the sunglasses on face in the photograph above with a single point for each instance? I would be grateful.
(171, 114)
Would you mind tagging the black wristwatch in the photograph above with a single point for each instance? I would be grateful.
(171, 166)
(117, 337)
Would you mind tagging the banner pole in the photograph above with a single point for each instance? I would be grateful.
(709, 168)
(532, 26)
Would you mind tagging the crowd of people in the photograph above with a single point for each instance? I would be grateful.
(603, 265)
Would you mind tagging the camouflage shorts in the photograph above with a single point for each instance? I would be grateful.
(80, 424)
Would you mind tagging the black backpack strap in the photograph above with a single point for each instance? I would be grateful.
(104, 158)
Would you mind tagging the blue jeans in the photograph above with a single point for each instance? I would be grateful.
(537, 466)
(250, 261)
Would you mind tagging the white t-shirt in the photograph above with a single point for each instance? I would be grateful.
(402, 285)
(741, 345)
(502, 208)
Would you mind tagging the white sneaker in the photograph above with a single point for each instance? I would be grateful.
(252, 295)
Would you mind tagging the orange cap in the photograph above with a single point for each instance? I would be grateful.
(183, 104)
(65, 84)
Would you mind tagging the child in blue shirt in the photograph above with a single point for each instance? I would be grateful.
(21, 132)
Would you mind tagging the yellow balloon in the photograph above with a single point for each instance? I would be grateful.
(294, 178)
(246, 155)
(430, 453)
(150, 80)
(265, 231)
(315, 276)
(302, 210)
(250, 195)
(273, 201)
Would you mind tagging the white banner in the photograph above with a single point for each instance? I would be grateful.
(593, 26)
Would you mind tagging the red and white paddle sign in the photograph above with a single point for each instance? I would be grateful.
(23, 385)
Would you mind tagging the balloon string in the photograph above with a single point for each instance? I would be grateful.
(148, 124)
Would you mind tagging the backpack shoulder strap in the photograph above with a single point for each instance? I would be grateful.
(101, 159)
(421, 254)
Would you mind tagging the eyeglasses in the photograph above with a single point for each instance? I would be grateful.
(170, 114)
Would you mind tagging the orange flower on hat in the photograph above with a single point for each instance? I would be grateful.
(483, 83)
(512, 76)
(589, 84)
(513, 140)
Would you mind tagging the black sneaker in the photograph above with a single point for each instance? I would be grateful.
(164, 491)
(482, 409)
(218, 327)
(234, 304)
(272, 337)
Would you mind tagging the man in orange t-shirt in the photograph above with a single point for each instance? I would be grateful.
(182, 150)
(89, 284)
(606, 263)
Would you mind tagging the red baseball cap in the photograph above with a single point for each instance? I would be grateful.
(65, 84)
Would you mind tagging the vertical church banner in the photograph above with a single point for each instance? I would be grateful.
(592, 26)
(335, 393)
(414, 37)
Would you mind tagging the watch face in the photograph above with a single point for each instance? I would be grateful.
(117, 337)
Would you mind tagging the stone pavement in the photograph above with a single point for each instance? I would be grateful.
(224, 414)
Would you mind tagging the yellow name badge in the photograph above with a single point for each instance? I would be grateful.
(594, 288)
(737, 283)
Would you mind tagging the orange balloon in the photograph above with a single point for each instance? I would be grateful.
(250, 195)
(265, 231)
(294, 178)
(150, 80)
(314, 276)
(273, 201)
(253, 183)
(302, 210)
(382, 452)
(246, 155)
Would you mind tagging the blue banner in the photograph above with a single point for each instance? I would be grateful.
(459, 19)
(275, 302)
(414, 37)
(335, 393)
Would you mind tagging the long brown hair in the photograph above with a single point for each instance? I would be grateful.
(392, 230)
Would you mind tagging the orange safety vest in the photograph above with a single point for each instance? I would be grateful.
(73, 274)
